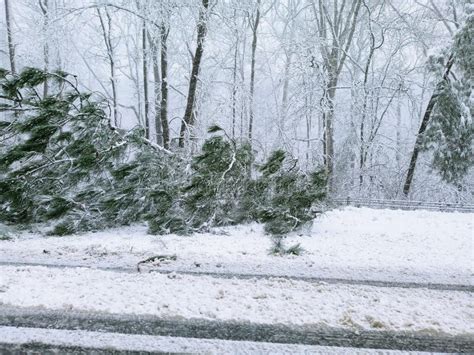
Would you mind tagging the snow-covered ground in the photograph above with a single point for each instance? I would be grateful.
(273, 301)
(12, 335)
(352, 243)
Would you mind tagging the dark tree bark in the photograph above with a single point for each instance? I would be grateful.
(188, 119)
(164, 86)
(252, 70)
(234, 86)
(423, 126)
(107, 35)
(45, 10)
(157, 88)
(11, 45)
(145, 82)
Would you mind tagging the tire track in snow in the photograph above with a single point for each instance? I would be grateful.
(44, 348)
(364, 282)
(229, 330)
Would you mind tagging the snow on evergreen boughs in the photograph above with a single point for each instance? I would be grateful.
(61, 160)
(451, 131)
(62, 163)
(213, 193)
(220, 191)
(290, 195)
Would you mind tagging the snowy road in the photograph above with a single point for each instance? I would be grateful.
(176, 328)
(268, 301)
(368, 278)
(275, 311)
(59, 341)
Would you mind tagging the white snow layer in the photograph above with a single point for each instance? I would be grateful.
(12, 335)
(258, 301)
(352, 243)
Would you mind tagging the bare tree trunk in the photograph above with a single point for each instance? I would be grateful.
(364, 108)
(284, 100)
(329, 132)
(234, 87)
(423, 126)
(252, 70)
(243, 103)
(339, 32)
(309, 114)
(361, 152)
(107, 35)
(157, 89)
(164, 86)
(145, 82)
(398, 157)
(286, 79)
(11, 45)
(45, 10)
(189, 117)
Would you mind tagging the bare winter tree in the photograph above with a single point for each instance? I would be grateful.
(344, 83)
(164, 32)
(189, 117)
(106, 27)
(44, 5)
(255, 21)
(336, 23)
(155, 57)
(145, 80)
(158, 38)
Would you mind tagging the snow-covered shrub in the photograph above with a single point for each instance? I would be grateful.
(289, 195)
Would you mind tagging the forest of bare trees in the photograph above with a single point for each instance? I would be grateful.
(350, 85)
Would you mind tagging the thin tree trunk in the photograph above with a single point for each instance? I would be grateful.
(286, 81)
(398, 156)
(189, 118)
(45, 10)
(364, 112)
(252, 70)
(243, 103)
(234, 87)
(362, 152)
(164, 86)
(308, 114)
(423, 126)
(284, 100)
(329, 132)
(106, 32)
(11, 45)
(145, 81)
(157, 90)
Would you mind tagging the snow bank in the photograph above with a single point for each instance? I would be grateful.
(353, 243)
